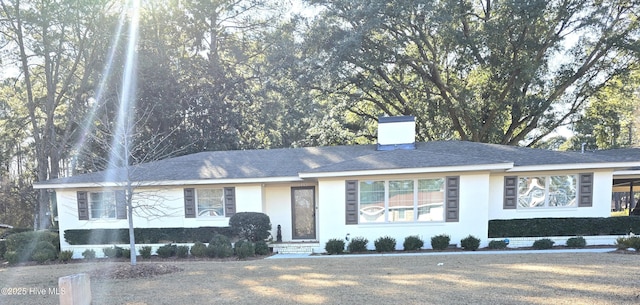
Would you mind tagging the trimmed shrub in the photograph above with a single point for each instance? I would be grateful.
(89, 254)
(440, 242)
(623, 243)
(470, 243)
(576, 242)
(113, 252)
(542, 244)
(262, 248)
(44, 251)
(570, 226)
(412, 243)
(385, 244)
(126, 253)
(182, 251)
(252, 226)
(244, 249)
(199, 249)
(143, 235)
(220, 246)
(167, 250)
(357, 244)
(145, 252)
(497, 244)
(334, 246)
(65, 256)
(12, 257)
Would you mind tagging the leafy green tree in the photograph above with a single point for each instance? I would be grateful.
(505, 72)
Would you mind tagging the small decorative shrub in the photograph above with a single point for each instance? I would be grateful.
(576, 242)
(412, 243)
(440, 242)
(470, 243)
(167, 250)
(126, 253)
(357, 244)
(182, 251)
(497, 244)
(89, 254)
(12, 257)
(252, 226)
(244, 249)
(113, 252)
(145, 252)
(385, 244)
(542, 244)
(623, 243)
(262, 248)
(220, 246)
(334, 246)
(199, 249)
(65, 256)
(26, 244)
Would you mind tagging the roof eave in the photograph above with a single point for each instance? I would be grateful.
(169, 183)
(575, 166)
(417, 170)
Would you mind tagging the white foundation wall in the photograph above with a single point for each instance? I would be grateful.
(473, 217)
(602, 188)
(167, 211)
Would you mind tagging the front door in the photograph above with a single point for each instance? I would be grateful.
(303, 212)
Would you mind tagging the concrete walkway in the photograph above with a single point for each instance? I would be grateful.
(514, 251)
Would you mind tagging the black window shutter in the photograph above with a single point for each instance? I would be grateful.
(189, 203)
(83, 206)
(229, 201)
(586, 190)
(351, 202)
(510, 193)
(453, 199)
(121, 205)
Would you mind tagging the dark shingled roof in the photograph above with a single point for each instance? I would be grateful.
(290, 162)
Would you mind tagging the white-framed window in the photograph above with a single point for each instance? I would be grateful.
(102, 205)
(547, 191)
(210, 202)
(402, 200)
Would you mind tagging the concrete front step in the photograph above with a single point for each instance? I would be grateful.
(296, 248)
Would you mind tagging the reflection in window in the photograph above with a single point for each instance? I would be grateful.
(547, 191)
(210, 202)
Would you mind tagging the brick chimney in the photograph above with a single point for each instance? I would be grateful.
(397, 132)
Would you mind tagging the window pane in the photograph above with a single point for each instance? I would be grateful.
(371, 201)
(531, 192)
(102, 204)
(431, 200)
(562, 191)
(210, 202)
(401, 200)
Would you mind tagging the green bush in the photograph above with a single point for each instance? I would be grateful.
(262, 248)
(182, 251)
(440, 242)
(334, 246)
(143, 235)
(12, 257)
(145, 252)
(89, 254)
(385, 244)
(126, 253)
(252, 226)
(412, 243)
(357, 244)
(44, 251)
(497, 244)
(578, 226)
(199, 249)
(167, 250)
(25, 243)
(220, 246)
(470, 243)
(65, 256)
(113, 252)
(542, 244)
(634, 242)
(576, 242)
(623, 243)
(244, 249)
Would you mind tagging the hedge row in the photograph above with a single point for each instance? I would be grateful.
(143, 235)
(563, 227)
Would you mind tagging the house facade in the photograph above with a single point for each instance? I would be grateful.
(396, 188)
